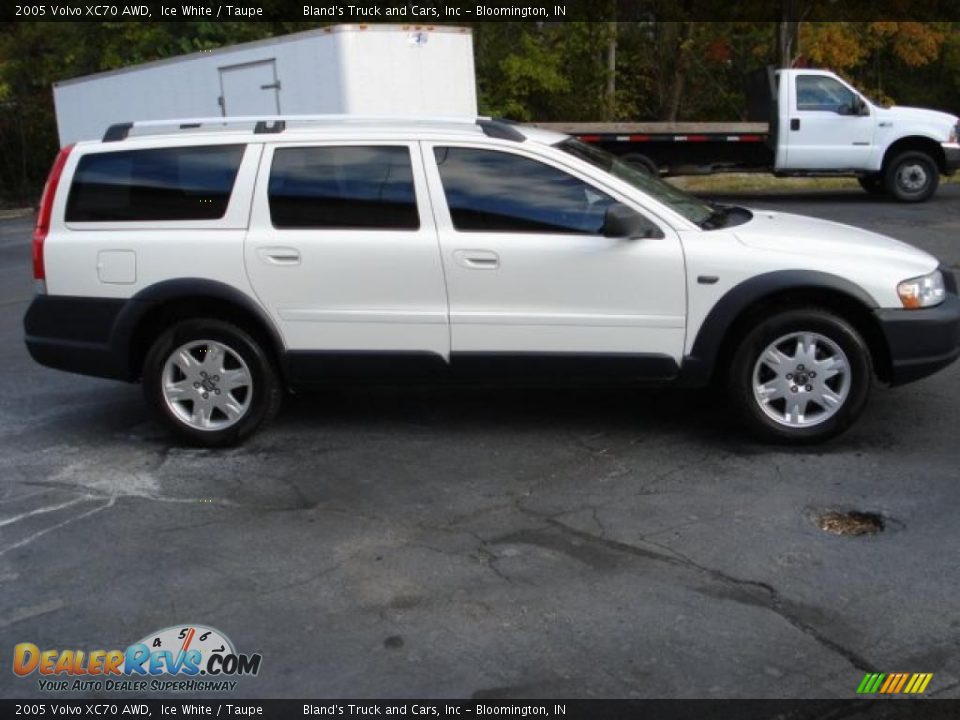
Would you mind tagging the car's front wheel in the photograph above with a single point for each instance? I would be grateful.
(800, 376)
(912, 177)
(211, 382)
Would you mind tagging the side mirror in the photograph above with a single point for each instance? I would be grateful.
(856, 108)
(623, 223)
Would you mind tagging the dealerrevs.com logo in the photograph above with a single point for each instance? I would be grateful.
(182, 658)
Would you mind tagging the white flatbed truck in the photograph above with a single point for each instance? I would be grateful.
(808, 123)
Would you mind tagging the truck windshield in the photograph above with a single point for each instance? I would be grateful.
(692, 208)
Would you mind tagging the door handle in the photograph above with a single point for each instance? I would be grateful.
(279, 255)
(477, 259)
(795, 124)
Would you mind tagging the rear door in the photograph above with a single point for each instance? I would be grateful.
(342, 251)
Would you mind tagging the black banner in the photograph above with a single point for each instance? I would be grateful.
(927, 709)
(470, 11)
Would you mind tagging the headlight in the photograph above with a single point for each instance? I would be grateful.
(923, 291)
(954, 134)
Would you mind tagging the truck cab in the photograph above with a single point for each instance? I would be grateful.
(824, 125)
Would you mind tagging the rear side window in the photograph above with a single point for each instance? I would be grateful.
(492, 191)
(179, 183)
(343, 188)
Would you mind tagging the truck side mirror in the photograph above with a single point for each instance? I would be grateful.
(857, 107)
(621, 222)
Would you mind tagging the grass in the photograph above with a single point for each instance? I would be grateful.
(13, 213)
(748, 182)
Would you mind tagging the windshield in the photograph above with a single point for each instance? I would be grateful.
(692, 208)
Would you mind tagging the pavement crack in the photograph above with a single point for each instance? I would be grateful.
(43, 510)
(40, 533)
(489, 559)
(769, 597)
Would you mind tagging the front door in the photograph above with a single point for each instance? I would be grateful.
(531, 279)
(823, 133)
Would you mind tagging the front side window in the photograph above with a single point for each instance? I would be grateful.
(351, 187)
(491, 191)
(178, 183)
(816, 92)
(690, 207)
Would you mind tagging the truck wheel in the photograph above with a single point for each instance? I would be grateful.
(642, 162)
(801, 376)
(873, 184)
(210, 382)
(912, 176)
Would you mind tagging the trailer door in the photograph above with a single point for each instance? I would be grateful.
(250, 89)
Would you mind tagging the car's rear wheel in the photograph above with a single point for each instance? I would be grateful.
(211, 382)
(873, 184)
(800, 376)
(912, 176)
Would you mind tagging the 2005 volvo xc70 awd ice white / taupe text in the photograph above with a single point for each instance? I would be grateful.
(224, 262)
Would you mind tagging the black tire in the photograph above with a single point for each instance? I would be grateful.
(911, 176)
(642, 162)
(265, 397)
(873, 184)
(740, 380)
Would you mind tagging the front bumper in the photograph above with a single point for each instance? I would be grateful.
(921, 342)
(951, 154)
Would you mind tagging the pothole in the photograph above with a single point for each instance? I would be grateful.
(850, 523)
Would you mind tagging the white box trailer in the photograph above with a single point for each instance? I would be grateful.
(341, 69)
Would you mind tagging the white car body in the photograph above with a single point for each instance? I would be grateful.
(436, 292)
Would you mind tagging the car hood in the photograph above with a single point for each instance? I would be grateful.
(924, 115)
(823, 239)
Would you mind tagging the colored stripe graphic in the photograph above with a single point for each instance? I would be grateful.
(891, 680)
(894, 683)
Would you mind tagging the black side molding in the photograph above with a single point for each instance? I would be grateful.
(307, 367)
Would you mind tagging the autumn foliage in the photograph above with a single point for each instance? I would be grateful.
(592, 71)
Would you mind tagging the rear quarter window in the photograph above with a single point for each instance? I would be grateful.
(179, 183)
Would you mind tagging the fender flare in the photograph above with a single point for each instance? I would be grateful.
(152, 296)
(699, 365)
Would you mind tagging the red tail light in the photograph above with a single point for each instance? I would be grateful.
(46, 210)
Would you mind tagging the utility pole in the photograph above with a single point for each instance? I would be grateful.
(611, 71)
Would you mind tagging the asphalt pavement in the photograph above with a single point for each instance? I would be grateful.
(490, 543)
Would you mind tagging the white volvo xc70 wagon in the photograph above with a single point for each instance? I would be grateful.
(224, 262)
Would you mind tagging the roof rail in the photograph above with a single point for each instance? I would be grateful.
(501, 129)
(279, 123)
